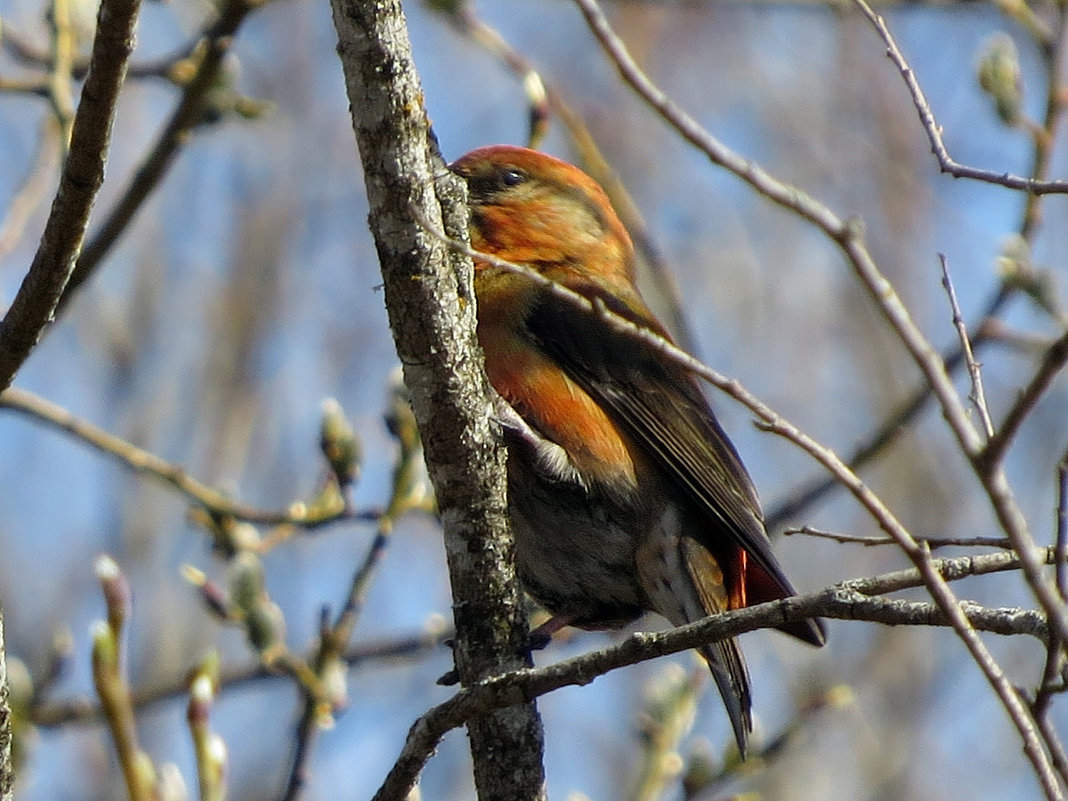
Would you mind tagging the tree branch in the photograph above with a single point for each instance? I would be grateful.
(7, 768)
(83, 173)
(139, 460)
(851, 600)
(217, 42)
(430, 301)
(933, 130)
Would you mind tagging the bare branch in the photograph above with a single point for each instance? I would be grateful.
(978, 395)
(83, 173)
(1053, 361)
(217, 42)
(141, 461)
(934, 131)
(34, 188)
(405, 494)
(84, 711)
(61, 69)
(930, 542)
(847, 601)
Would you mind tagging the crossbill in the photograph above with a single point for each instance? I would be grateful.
(624, 493)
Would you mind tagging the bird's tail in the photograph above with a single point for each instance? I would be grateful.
(724, 657)
(732, 678)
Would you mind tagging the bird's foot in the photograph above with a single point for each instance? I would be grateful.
(543, 634)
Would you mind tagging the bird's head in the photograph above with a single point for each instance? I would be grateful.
(536, 210)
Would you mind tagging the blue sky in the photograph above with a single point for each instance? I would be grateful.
(246, 293)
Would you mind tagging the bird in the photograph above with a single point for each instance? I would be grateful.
(625, 495)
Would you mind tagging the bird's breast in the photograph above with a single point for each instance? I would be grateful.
(555, 407)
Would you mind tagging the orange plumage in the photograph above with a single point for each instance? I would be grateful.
(625, 494)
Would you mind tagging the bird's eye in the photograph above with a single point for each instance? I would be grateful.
(512, 177)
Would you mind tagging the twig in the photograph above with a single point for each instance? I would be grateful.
(843, 601)
(987, 468)
(83, 173)
(218, 40)
(930, 542)
(934, 131)
(208, 747)
(37, 182)
(141, 461)
(109, 679)
(25, 86)
(978, 396)
(61, 72)
(1052, 674)
(1053, 361)
(667, 716)
(1061, 536)
(946, 602)
(334, 638)
(84, 711)
(25, 52)
(1053, 53)
(896, 423)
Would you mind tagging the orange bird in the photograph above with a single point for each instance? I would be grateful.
(625, 494)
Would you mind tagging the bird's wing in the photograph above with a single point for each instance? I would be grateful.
(659, 404)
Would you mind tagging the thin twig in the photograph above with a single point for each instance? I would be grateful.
(930, 542)
(1053, 361)
(934, 131)
(218, 40)
(61, 69)
(405, 495)
(896, 422)
(141, 461)
(1052, 674)
(987, 463)
(978, 396)
(1053, 53)
(109, 678)
(84, 711)
(1061, 536)
(847, 601)
(38, 182)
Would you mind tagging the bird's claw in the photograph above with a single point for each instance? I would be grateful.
(449, 679)
(541, 636)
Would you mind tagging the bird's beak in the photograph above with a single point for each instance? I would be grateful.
(456, 168)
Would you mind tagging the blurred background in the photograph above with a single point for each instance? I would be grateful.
(246, 292)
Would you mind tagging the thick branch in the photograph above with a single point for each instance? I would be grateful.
(7, 769)
(851, 600)
(83, 173)
(430, 302)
